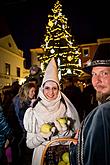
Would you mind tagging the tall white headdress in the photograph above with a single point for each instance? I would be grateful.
(51, 72)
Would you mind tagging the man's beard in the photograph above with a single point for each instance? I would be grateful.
(101, 97)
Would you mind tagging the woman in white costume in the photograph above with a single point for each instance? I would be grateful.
(51, 117)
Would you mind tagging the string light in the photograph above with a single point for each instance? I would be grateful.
(58, 42)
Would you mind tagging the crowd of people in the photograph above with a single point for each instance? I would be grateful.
(42, 101)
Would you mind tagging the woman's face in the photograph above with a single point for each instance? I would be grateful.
(50, 90)
(32, 92)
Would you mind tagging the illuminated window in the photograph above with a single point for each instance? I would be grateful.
(18, 72)
(7, 69)
(85, 52)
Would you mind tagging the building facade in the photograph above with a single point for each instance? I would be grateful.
(88, 50)
(11, 62)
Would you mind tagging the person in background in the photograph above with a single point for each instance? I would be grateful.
(50, 109)
(12, 119)
(23, 100)
(35, 76)
(74, 95)
(93, 146)
(88, 98)
(26, 95)
(6, 137)
(15, 88)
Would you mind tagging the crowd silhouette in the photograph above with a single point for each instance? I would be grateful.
(15, 101)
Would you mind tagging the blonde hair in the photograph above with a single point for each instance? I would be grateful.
(24, 91)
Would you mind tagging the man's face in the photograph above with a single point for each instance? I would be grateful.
(101, 82)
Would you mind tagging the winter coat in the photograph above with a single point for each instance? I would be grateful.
(20, 109)
(24, 153)
(5, 131)
(94, 138)
(47, 112)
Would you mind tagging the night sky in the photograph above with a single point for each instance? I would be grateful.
(27, 19)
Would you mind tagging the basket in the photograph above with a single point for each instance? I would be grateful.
(54, 150)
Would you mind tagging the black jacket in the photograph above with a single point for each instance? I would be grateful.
(5, 131)
(94, 138)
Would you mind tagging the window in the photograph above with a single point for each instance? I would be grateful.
(7, 69)
(18, 72)
(85, 52)
(9, 44)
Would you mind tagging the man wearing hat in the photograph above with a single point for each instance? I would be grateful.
(93, 146)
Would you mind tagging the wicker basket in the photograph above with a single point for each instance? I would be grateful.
(54, 150)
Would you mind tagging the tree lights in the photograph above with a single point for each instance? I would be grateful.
(58, 42)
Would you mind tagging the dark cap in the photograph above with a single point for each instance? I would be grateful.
(34, 69)
(101, 57)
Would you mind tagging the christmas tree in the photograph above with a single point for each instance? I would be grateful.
(58, 42)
